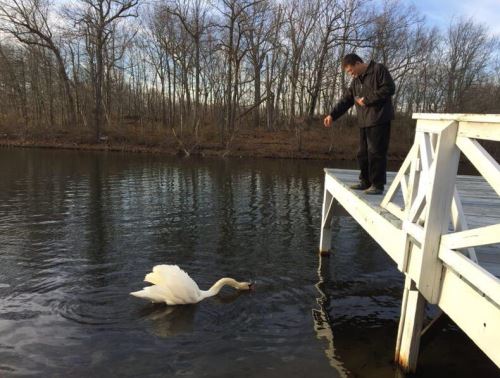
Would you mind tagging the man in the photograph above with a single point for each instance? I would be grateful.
(370, 90)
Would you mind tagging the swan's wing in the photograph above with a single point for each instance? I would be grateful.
(180, 288)
(152, 293)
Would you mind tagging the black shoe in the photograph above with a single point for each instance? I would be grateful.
(374, 190)
(359, 186)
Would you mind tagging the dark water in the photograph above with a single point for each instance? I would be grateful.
(79, 230)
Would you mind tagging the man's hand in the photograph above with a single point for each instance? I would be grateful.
(360, 101)
(328, 121)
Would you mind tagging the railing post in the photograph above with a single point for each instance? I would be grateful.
(410, 326)
(439, 196)
(430, 194)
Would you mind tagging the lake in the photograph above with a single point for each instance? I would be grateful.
(79, 230)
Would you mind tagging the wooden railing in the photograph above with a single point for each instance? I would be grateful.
(430, 203)
(428, 234)
(430, 200)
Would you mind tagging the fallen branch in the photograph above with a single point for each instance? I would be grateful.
(187, 150)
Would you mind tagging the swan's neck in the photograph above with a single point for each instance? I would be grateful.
(216, 287)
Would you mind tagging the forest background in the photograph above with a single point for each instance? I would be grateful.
(228, 77)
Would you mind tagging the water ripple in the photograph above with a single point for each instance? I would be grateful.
(78, 232)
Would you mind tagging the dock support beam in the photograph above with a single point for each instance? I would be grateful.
(326, 222)
(412, 225)
(410, 326)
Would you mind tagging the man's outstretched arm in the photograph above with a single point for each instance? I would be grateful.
(340, 107)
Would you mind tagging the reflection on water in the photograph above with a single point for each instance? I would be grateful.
(167, 321)
(79, 230)
(322, 321)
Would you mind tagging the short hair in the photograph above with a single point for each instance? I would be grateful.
(350, 60)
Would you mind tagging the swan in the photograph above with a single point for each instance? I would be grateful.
(173, 286)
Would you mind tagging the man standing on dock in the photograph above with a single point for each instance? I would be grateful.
(370, 90)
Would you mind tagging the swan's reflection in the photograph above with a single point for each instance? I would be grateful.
(168, 321)
(322, 323)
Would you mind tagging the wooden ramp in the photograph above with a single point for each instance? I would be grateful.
(442, 230)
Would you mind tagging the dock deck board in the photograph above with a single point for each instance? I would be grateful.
(480, 202)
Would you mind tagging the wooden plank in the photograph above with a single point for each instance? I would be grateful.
(426, 158)
(472, 237)
(479, 130)
(414, 230)
(459, 221)
(490, 255)
(417, 206)
(434, 139)
(461, 117)
(404, 188)
(395, 210)
(404, 302)
(411, 321)
(477, 221)
(441, 186)
(478, 199)
(482, 160)
(430, 126)
(414, 261)
(486, 212)
(371, 220)
(476, 315)
(425, 149)
(480, 278)
(493, 268)
(399, 176)
(413, 183)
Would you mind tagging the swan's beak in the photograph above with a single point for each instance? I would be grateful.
(246, 285)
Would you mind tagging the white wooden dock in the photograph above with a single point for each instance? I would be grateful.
(442, 230)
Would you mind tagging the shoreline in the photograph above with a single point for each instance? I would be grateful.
(203, 150)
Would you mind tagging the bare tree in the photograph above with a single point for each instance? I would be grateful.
(98, 18)
(233, 27)
(301, 19)
(28, 22)
(468, 49)
(329, 25)
(192, 15)
(258, 34)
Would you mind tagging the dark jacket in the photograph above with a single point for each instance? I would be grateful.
(377, 87)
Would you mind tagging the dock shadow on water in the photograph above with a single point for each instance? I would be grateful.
(79, 230)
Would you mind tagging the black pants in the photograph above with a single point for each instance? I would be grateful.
(372, 154)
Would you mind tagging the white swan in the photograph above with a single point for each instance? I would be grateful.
(173, 286)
